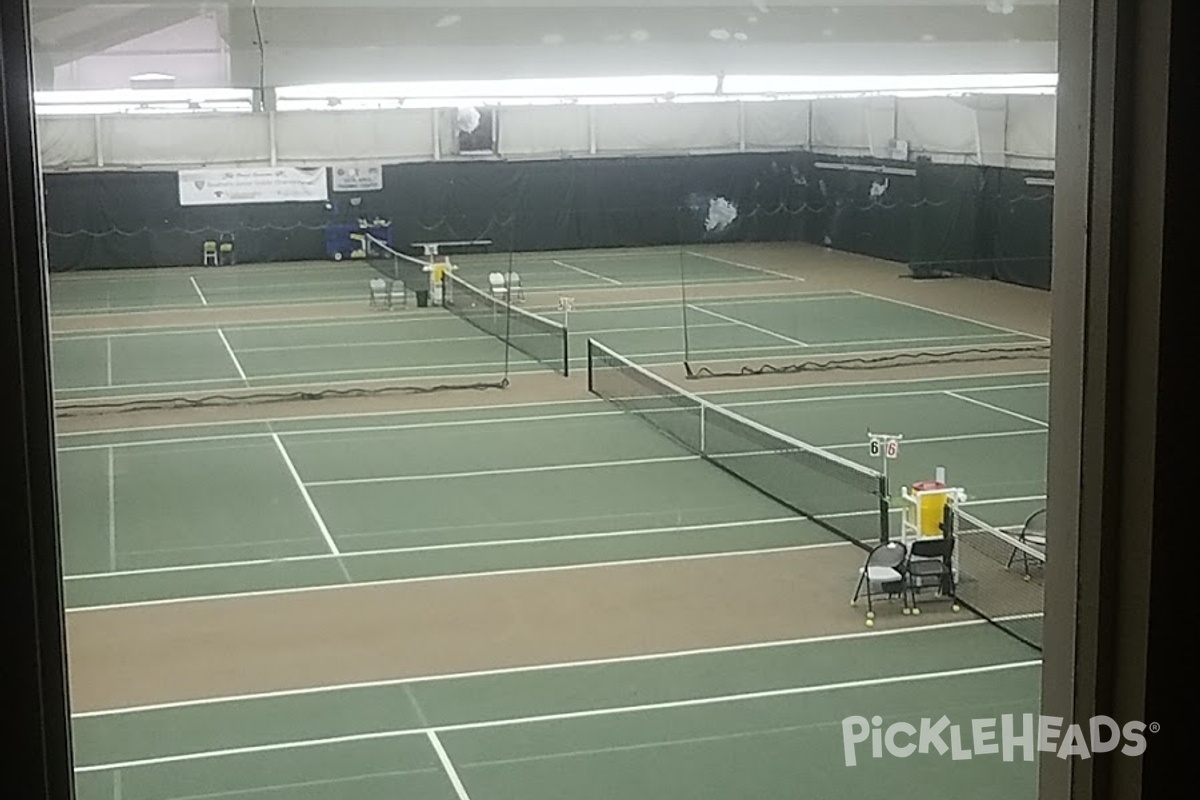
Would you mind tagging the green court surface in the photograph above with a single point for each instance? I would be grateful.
(318, 282)
(265, 505)
(191, 511)
(639, 727)
(400, 346)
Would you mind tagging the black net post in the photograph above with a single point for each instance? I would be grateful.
(885, 511)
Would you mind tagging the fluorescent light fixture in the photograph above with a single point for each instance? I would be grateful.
(478, 102)
(142, 101)
(140, 96)
(835, 84)
(1039, 182)
(339, 104)
(515, 88)
(108, 109)
(721, 98)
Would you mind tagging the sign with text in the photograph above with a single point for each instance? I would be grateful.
(237, 185)
(357, 177)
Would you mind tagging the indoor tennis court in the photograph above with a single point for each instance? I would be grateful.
(693, 621)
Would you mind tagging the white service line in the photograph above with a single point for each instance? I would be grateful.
(517, 542)
(947, 314)
(453, 576)
(196, 286)
(439, 476)
(232, 355)
(587, 272)
(448, 765)
(962, 437)
(669, 655)
(1029, 498)
(745, 324)
(312, 507)
(590, 713)
(108, 359)
(376, 429)
(554, 403)
(112, 512)
(997, 409)
(751, 267)
(434, 548)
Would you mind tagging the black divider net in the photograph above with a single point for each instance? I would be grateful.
(542, 339)
(846, 498)
(942, 213)
(1000, 575)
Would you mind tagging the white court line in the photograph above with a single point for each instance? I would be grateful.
(587, 272)
(488, 543)
(958, 317)
(384, 372)
(1029, 498)
(964, 437)
(998, 409)
(803, 297)
(196, 286)
(485, 473)
(112, 512)
(308, 501)
(127, 275)
(763, 270)
(108, 359)
(744, 324)
(447, 765)
(92, 311)
(233, 356)
(591, 713)
(431, 548)
(374, 429)
(302, 322)
(668, 655)
(963, 340)
(586, 465)
(442, 577)
(394, 343)
(548, 403)
(283, 787)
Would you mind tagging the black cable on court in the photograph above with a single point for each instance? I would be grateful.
(262, 398)
(964, 356)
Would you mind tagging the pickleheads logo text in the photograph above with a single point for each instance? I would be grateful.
(1004, 737)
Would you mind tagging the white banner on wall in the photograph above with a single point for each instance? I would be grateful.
(212, 187)
(357, 177)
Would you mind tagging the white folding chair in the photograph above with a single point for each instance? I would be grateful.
(498, 285)
(514, 286)
(379, 293)
(884, 573)
(398, 295)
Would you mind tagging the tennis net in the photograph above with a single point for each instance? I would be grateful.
(396, 266)
(542, 339)
(840, 495)
(1000, 573)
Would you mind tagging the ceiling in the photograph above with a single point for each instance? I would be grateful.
(289, 42)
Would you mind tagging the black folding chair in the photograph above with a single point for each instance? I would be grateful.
(931, 562)
(1032, 534)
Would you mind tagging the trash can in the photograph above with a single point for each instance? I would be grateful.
(422, 298)
(934, 498)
